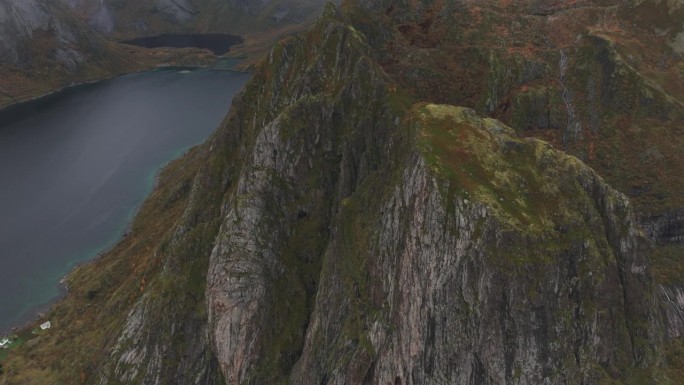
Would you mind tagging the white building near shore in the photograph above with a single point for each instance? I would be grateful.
(45, 326)
(4, 343)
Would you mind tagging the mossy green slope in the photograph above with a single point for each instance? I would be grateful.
(599, 79)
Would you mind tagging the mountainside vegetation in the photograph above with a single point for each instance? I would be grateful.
(602, 80)
(399, 196)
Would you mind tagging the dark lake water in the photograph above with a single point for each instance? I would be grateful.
(76, 165)
(219, 44)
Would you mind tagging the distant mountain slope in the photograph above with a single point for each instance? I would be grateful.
(44, 46)
(47, 44)
(260, 22)
(132, 17)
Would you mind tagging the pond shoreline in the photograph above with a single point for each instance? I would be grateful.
(219, 44)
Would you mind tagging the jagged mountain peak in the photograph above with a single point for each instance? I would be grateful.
(343, 231)
(374, 210)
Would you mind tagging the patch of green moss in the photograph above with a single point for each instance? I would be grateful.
(357, 233)
(667, 264)
(293, 293)
(484, 163)
(16, 341)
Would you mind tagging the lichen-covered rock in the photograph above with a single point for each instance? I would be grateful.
(437, 246)
(315, 132)
(531, 274)
(667, 228)
(366, 238)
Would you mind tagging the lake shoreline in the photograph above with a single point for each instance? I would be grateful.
(170, 67)
(35, 314)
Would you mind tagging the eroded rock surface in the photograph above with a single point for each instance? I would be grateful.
(337, 229)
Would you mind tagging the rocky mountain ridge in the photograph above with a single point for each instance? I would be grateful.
(340, 229)
(599, 79)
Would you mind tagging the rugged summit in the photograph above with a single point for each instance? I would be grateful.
(599, 79)
(338, 228)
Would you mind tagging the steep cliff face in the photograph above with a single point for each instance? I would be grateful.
(337, 229)
(453, 279)
(316, 125)
(458, 254)
(98, 14)
(599, 79)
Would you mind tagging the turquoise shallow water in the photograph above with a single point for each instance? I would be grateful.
(76, 165)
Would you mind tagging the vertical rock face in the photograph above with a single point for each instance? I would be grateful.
(98, 14)
(667, 228)
(103, 20)
(313, 130)
(367, 241)
(253, 6)
(460, 289)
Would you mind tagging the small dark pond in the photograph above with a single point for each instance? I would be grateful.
(219, 44)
